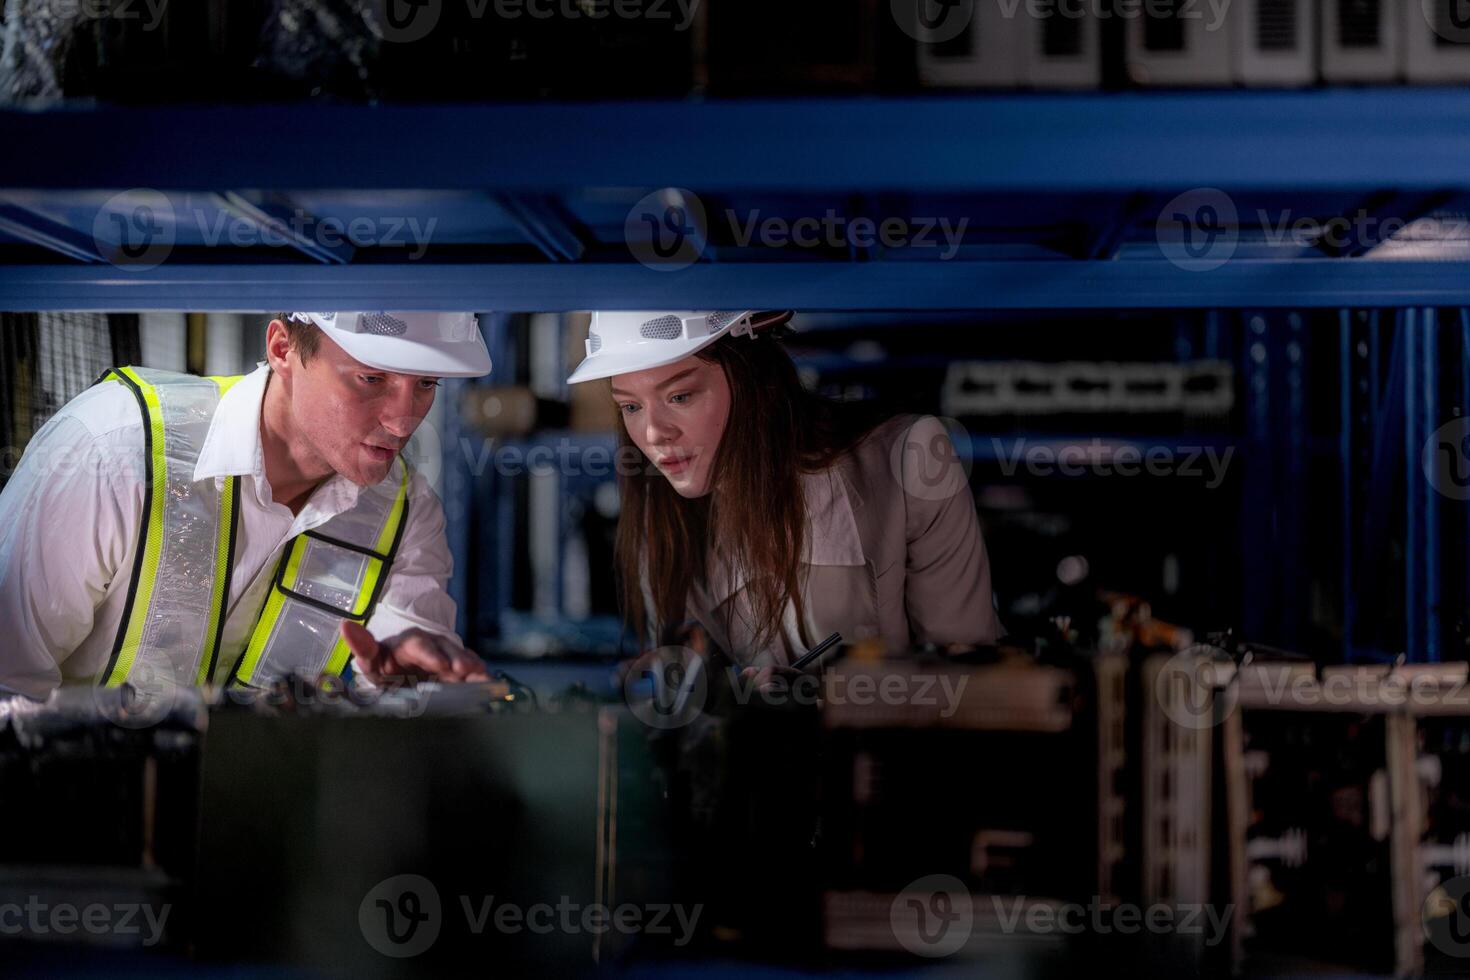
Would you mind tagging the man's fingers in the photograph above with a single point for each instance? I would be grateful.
(364, 647)
(413, 653)
(467, 666)
(419, 654)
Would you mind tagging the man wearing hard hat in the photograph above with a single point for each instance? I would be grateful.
(164, 529)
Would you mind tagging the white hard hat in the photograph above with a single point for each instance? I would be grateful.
(621, 342)
(440, 345)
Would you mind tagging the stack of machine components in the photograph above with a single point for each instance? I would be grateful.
(1339, 794)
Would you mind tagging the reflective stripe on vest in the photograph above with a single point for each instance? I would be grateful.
(173, 620)
(326, 576)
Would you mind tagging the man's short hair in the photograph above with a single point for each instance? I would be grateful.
(305, 337)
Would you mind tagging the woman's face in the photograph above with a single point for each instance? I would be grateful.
(676, 416)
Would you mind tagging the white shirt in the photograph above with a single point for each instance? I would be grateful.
(69, 527)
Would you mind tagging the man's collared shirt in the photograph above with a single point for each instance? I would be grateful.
(69, 527)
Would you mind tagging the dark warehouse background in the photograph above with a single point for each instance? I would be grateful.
(1188, 285)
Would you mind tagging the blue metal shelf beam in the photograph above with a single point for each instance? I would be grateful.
(1255, 283)
(1330, 138)
(539, 222)
(1422, 578)
(21, 222)
(274, 213)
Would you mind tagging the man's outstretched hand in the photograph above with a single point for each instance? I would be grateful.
(413, 653)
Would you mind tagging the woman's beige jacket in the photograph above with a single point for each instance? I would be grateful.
(894, 551)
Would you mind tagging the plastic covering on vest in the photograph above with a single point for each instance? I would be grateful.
(182, 589)
(298, 638)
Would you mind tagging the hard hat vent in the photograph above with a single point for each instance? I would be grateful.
(594, 341)
(384, 325)
(663, 328)
(721, 319)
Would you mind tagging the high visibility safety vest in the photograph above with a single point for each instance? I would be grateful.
(173, 621)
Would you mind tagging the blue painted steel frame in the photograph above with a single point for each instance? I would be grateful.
(1464, 406)
(1410, 138)
(1348, 397)
(1383, 433)
(481, 532)
(36, 229)
(1273, 515)
(1133, 284)
(464, 500)
(1421, 531)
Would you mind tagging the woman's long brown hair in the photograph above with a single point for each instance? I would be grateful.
(755, 517)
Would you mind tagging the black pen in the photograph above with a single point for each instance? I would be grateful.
(817, 651)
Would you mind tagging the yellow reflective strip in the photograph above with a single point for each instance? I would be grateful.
(337, 662)
(272, 611)
(390, 526)
(148, 574)
(217, 597)
(381, 546)
(225, 382)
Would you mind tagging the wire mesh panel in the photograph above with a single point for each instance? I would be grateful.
(46, 360)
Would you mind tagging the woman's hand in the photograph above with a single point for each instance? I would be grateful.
(772, 678)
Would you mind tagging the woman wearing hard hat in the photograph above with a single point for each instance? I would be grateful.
(769, 514)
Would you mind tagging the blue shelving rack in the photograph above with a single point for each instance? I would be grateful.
(1063, 195)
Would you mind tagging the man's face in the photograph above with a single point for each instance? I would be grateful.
(355, 418)
(677, 415)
